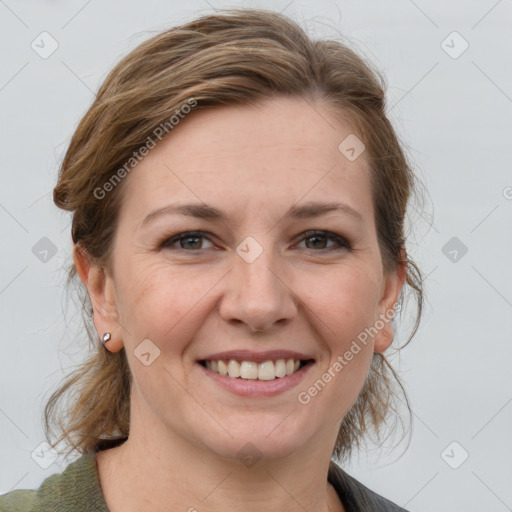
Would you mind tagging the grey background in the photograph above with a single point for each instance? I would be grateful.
(454, 114)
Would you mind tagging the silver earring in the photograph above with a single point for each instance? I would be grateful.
(106, 337)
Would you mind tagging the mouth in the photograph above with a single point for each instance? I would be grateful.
(251, 370)
(261, 379)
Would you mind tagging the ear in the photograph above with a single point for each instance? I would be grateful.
(102, 294)
(392, 286)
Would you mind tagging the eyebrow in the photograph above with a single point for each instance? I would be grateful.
(203, 211)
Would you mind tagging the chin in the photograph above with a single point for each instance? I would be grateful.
(251, 439)
(249, 451)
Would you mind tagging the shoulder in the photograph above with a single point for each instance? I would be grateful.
(20, 500)
(76, 488)
(357, 497)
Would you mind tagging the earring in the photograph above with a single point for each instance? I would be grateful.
(106, 337)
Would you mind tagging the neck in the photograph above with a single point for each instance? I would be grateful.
(146, 474)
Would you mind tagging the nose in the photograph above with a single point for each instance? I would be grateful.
(257, 294)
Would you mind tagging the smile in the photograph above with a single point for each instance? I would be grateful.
(251, 370)
(242, 377)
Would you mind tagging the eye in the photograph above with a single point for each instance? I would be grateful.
(317, 237)
(192, 240)
(188, 240)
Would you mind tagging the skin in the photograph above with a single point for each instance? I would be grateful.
(201, 297)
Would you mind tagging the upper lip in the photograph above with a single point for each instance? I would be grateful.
(257, 357)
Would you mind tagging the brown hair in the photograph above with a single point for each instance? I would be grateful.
(241, 56)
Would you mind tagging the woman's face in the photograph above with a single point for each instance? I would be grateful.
(251, 283)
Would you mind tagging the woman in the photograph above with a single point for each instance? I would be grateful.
(238, 200)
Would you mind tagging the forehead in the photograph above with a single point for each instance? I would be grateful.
(275, 154)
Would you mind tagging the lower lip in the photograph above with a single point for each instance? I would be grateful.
(254, 387)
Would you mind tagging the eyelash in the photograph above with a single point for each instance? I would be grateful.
(342, 243)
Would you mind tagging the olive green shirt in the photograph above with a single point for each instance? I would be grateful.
(77, 489)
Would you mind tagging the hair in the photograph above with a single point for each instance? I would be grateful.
(237, 57)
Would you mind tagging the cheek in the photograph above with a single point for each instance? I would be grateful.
(346, 300)
(346, 307)
(159, 301)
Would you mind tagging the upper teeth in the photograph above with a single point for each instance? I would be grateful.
(268, 370)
